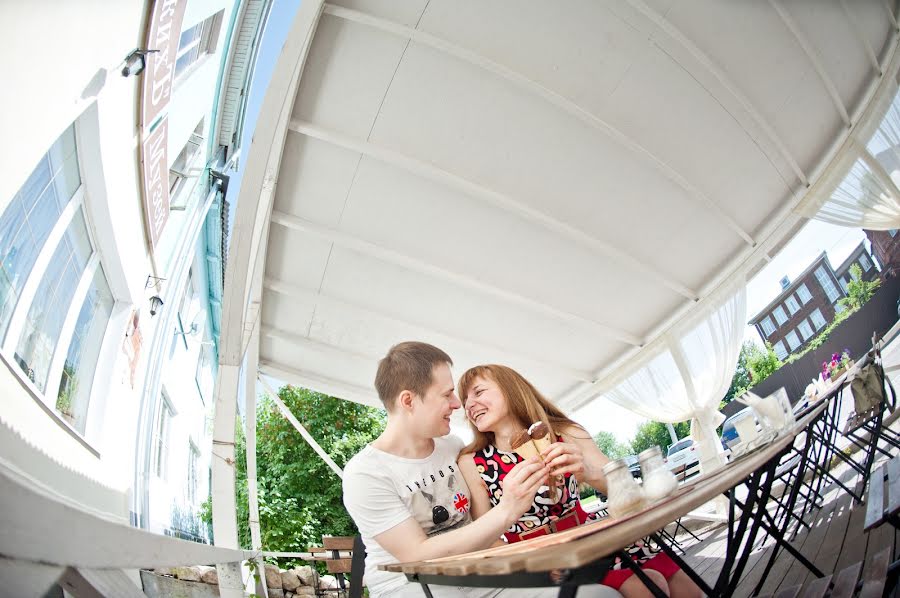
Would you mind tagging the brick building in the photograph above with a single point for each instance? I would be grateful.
(886, 247)
(809, 303)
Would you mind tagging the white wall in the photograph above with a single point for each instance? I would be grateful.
(62, 66)
(53, 52)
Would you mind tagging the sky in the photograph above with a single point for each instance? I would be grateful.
(276, 29)
(601, 415)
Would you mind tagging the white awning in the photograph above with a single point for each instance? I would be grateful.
(545, 186)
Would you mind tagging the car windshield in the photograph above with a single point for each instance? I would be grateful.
(680, 445)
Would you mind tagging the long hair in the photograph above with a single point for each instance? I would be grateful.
(525, 403)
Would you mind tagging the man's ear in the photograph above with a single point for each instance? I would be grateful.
(405, 400)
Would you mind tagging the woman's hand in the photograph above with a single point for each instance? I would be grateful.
(520, 485)
(564, 458)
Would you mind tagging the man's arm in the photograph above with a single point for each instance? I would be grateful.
(481, 502)
(408, 542)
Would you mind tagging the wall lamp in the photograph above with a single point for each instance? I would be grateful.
(156, 303)
(135, 62)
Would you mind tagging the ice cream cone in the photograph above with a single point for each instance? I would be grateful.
(532, 442)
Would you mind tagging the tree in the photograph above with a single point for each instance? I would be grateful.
(762, 363)
(299, 495)
(611, 447)
(859, 291)
(741, 379)
(656, 434)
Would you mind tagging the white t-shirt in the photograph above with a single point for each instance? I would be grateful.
(383, 490)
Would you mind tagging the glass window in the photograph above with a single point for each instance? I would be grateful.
(805, 330)
(792, 305)
(27, 221)
(182, 169)
(817, 319)
(780, 351)
(161, 437)
(54, 310)
(804, 294)
(205, 375)
(767, 326)
(779, 314)
(865, 262)
(193, 472)
(84, 351)
(827, 284)
(44, 321)
(844, 281)
(197, 41)
(792, 339)
(892, 232)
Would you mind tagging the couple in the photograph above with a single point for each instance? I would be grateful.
(414, 491)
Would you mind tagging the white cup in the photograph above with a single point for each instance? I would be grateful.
(745, 426)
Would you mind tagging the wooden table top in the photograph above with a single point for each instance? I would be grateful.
(585, 544)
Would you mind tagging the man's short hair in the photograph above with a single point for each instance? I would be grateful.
(407, 366)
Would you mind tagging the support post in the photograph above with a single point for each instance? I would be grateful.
(224, 510)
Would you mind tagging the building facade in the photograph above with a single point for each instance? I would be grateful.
(113, 226)
(886, 247)
(809, 303)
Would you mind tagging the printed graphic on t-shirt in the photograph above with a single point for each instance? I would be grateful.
(439, 500)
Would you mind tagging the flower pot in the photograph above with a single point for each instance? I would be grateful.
(837, 374)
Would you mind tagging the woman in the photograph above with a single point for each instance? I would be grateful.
(499, 404)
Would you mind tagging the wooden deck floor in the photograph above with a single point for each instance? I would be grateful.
(835, 540)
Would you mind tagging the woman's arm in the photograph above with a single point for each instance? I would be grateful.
(578, 455)
(481, 502)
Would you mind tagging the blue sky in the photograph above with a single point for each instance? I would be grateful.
(277, 27)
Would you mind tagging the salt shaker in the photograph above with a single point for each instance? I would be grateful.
(658, 480)
(623, 494)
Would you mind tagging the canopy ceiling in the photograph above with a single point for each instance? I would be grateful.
(549, 186)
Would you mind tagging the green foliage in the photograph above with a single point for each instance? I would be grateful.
(299, 495)
(611, 447)
(656, 434)
(741, 380)
(762, 363)
(859, 291)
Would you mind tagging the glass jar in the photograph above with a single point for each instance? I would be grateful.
(624, 496)
(658, 481)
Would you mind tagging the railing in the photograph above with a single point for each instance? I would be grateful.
(47, 540)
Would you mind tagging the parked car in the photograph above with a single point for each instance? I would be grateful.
(729, 434)
(682, 455)
(634, 466)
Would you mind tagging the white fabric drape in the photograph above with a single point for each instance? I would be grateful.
(868, 196)
(687, 372)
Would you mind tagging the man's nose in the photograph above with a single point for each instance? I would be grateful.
(454, 402)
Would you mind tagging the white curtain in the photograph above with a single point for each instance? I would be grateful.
(686, 373)
(868, 196)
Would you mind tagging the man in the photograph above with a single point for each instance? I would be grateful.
(405, 491)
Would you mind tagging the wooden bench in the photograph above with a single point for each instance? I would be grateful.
(342, 555)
